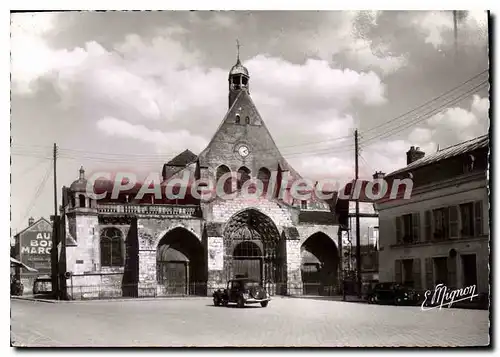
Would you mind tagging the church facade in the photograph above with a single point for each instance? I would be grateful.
(191, 245)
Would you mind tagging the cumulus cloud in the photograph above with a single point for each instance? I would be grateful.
(342, 36)
(438, 27)
(168, 141)
(159, 81)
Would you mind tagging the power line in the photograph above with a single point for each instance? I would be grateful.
(424, 116)
(38, 192)
(427, 103)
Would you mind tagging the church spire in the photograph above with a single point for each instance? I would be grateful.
(238, 77)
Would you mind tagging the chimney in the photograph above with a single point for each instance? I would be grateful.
(31, 221)
(378, 175)
(413, 155)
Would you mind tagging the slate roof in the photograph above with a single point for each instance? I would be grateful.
(446, 153)
(184, 158)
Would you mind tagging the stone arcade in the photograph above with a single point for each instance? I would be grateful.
(190, 246)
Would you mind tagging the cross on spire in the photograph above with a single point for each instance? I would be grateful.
(238, 50)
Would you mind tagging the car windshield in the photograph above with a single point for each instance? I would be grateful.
(251, 284)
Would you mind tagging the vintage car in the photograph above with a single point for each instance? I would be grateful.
(393, 293)
(242, 291)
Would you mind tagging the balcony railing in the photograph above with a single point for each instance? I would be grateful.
(150, 209)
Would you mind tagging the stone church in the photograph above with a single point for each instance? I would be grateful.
(192, 246)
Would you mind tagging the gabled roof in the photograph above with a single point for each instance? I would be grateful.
(184, 158)
(446, 153)
(41, 224)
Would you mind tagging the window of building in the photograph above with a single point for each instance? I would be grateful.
(467, 218)
(441, 223)
(247, 120)
(407, 273)
(111, 248)
(407, 228)
(237, 120)
(478, 217)
(428, 226)
(81, 200)
(303, 204)
(243, 176)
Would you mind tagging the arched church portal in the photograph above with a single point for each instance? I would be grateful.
(254, 249)
(319, 265)
(180, 264)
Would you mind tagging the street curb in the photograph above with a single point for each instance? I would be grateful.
(110, 300)
(33, 299)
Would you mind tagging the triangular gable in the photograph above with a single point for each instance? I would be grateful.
(42, 225)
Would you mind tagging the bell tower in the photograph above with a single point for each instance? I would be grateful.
(238, 78)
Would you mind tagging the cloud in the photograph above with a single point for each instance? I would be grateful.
(438, 27)
(159, 81)
(342, 34)
(170, 141)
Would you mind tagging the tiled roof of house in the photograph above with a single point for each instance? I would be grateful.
(446, 153)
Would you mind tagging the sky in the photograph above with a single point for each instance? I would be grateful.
(130, 90)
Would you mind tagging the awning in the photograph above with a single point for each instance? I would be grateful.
(16, 263)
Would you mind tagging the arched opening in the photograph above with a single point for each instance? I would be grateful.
(247, 260)
(73, 201)
(180, 268)
(319, 265)
(243, 176)
(221, 171)
(81, 200)
(264, 175)
(111, 244)
(254, 249)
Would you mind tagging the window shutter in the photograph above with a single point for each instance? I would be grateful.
(399, 233)
(398, 271)
(415, 219)
(478, 218)
(453, 221)
(452, 272)
(417, 274)
(428, 226)
(429, 274)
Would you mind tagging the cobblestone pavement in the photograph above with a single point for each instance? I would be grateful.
(285, 322)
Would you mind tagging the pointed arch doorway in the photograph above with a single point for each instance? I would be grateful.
(254, 249)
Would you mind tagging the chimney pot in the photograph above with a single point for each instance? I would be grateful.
(31, 221)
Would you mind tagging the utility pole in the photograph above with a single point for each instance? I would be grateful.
(358, 240)
(55, 236)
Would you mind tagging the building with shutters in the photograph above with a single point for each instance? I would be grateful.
(440, 234)
(191, 246)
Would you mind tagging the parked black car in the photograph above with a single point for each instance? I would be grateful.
(393, 293)
(242, 291)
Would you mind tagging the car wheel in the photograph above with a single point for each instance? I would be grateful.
(225, 302)
(216, 301)
(264, 303)
(241, 302)
(397, 301)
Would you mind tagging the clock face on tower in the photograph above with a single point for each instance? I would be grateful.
(243, 151)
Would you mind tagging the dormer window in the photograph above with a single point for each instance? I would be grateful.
(237, 120)
(247, 120)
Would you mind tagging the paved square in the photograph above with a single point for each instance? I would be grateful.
(285, 322)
